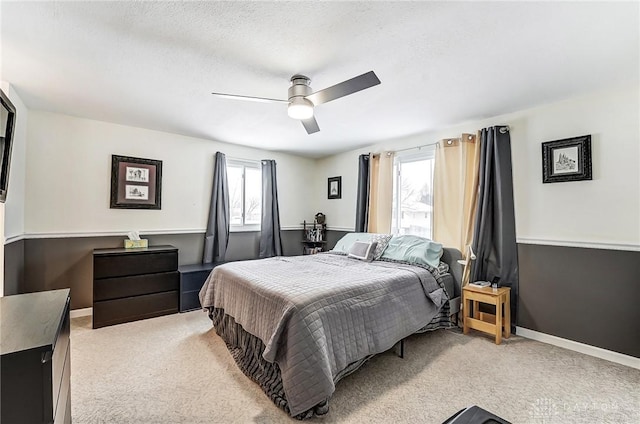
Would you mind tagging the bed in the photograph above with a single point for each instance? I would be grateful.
(297, 325)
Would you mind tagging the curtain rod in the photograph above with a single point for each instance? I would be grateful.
(503, 129)
(417, 147)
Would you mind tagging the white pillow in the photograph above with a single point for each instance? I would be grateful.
(363, 250)
(345, 243)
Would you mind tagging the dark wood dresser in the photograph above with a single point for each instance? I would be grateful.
(134, 284)
(192, 278)
(36, 361)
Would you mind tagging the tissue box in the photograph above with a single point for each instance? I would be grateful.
(132, 244)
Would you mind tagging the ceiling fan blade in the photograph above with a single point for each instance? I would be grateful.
(311, 125)
(249, 98)
(344, 88)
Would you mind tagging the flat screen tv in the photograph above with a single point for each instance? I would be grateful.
(7, 127)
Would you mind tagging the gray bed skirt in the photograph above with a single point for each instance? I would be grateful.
(246, 350)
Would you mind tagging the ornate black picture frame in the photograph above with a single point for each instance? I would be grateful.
(568, 159)
(136, 183)
(334, 188)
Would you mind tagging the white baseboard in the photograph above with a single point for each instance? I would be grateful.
(608, 355)
(84, 312)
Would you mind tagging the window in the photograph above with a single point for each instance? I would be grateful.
(413, 193)
(245, 194)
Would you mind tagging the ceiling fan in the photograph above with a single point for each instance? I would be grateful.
(301, 100)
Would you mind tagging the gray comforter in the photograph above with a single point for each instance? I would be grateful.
(317, 314)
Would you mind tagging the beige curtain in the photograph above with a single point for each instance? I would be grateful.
(380, 193)
(455, 191)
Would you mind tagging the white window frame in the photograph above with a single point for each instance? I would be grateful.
(244, 164)
(424, 153)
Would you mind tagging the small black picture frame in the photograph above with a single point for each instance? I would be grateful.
(334, 188)
(136, 183)
(565, 160)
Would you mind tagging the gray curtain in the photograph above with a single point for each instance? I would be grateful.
(362, 197)
(216, 238)
(270, 240)
(494, 237)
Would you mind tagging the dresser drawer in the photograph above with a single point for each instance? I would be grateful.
(115, 288)
(62, 399)
(110, 312)
(108, 266)
(133, 284)
(60, 353)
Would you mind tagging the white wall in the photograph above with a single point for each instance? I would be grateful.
(68, 174)
(14, 206)
(69, 169)
(603, 211)
(340, 213)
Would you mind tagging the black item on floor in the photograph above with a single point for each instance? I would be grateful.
(475, 415)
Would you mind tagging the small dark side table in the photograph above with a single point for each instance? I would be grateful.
(192, 278)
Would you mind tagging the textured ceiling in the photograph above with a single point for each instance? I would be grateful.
(154, 64)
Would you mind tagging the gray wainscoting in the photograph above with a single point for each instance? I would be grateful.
(53, 263)
(13, 267)
(333, 236)
(586, 295)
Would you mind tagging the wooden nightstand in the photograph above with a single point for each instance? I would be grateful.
(488, 323)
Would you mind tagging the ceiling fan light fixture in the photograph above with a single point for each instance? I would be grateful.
(301, 99)
(300, 108)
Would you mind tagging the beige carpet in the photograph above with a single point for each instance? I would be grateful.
(175, 369)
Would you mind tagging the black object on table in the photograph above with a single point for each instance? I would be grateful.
(35, 358)
(475, 415)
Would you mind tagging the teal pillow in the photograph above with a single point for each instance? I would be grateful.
(413, 249)
(344, 244)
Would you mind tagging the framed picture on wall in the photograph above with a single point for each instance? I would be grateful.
(136, 183)
(334, 188)
(568, 159)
